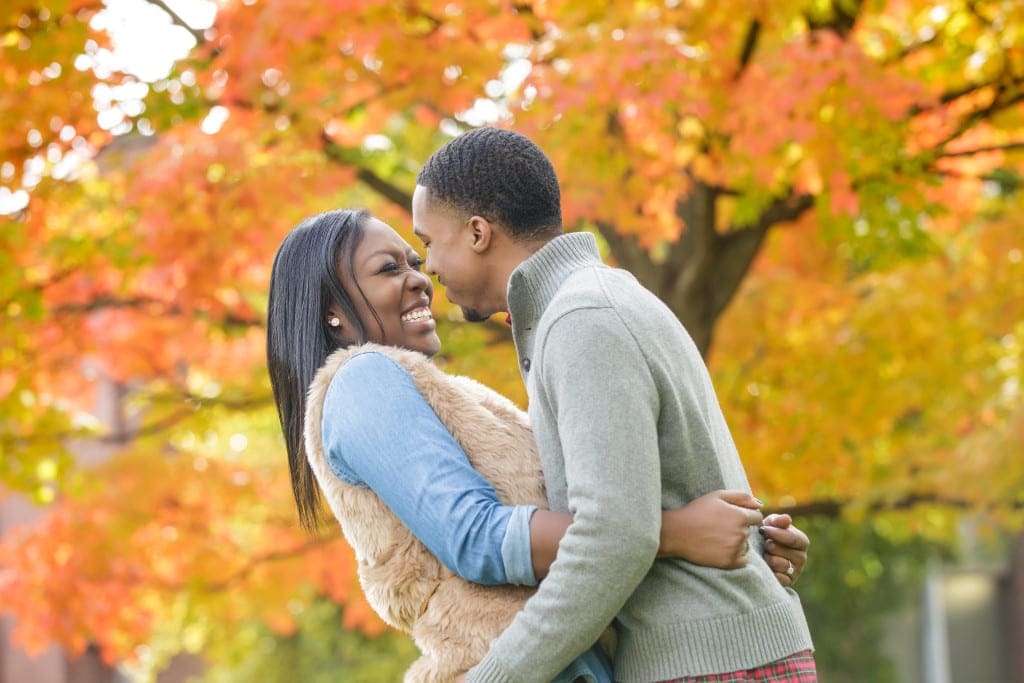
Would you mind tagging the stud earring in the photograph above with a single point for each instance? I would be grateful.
(334, 321)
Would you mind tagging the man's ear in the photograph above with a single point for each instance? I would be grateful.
(481, 232)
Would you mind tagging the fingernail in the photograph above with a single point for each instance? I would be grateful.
(760, 530)
(758, 501)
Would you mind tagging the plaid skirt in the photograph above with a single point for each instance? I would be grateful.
(797, 668)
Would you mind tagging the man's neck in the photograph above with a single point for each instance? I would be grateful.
(514, 254)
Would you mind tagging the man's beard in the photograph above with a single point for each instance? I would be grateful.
(473, 316)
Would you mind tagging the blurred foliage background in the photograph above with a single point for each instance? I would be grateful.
(826, 192)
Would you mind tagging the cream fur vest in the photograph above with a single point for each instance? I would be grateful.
(451, 620)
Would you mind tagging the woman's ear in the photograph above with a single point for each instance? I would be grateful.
(481, 231)
(342, 332)
(336, 320)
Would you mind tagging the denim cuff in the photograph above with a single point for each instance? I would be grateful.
(516, 553)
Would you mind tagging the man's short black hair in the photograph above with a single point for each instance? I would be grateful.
(500, 175)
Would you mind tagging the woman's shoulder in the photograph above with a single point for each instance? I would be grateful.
(358, 385)
(365, 358)
(372, 355)
(371, 363)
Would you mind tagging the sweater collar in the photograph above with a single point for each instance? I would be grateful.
(534, 281)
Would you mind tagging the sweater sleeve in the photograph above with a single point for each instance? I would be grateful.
(380, 432)
(594, 382)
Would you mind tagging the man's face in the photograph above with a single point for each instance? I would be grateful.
(451, 257)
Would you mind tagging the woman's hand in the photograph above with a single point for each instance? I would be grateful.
(785, 548)
(712, 530)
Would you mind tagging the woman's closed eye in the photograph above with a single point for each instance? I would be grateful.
(414, 263)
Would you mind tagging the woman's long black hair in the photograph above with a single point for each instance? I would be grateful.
(303, 285)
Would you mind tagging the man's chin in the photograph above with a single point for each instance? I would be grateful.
(474, 316)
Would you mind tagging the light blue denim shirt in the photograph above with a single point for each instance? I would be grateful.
(380, 432)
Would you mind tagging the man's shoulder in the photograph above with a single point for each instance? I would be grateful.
(603, 302)
(594, 303)
(592, 287)
(599, 287)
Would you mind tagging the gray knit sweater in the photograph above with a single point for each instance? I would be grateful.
(627, 424)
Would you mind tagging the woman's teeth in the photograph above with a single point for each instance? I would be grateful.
(417, 315)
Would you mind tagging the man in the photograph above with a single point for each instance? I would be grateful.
(626, 421)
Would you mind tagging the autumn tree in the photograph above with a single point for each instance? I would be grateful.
(825, 192)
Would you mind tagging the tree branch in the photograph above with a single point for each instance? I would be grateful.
(393, 193)
(257, 560)
(1008, 147)
(277, 555)
(54, 279)
(950, 96)
(841, 23)
(126, 436)
(997, 104)
(972, 7)
(831, 508)
(389, 191)
(749, 46)
(535, 25)
(107, 301)
(625, 250)
(739, 248)
(907, 51)
(178, 21)
(11, 442)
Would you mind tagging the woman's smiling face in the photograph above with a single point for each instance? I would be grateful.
(386, 279)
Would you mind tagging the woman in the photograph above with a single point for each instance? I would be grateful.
(385, 437)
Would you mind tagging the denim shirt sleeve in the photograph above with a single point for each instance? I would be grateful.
(379, 432)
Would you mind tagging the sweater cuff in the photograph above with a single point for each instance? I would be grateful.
(516, 553)
(488, 671)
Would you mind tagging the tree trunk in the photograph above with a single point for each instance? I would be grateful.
(704, 268)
